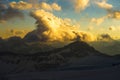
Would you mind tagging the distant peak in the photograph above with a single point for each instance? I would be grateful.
(79, 43)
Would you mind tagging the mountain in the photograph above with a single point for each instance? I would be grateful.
(50, 59)
(76, 57)
(75, 49)
(12, 44)
(20, 46)
(109, 47)
(31, 37)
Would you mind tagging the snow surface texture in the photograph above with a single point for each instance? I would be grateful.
(95, 68)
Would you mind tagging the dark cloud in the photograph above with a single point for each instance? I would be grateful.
(115, 14)
(104, 37)
(8, 13)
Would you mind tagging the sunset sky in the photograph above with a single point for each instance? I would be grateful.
(94, 17)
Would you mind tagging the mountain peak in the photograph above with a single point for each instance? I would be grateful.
(78, 43)
(81, 46)
(78, 49)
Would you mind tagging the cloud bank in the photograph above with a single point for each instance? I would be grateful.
(52, 28)
(21, 5)
(14, 9)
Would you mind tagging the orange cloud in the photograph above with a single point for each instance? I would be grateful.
(56, 7)
(80, 5)
(20, 5)
(52, 28)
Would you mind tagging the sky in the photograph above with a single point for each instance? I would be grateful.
(65, 18)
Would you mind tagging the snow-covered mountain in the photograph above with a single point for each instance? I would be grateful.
(75, 57)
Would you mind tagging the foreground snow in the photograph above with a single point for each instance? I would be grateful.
(112, 73)
(88, 68)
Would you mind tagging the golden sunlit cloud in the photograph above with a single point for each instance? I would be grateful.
(56, 7)
(112, 28)
(114, 14)
(15, 32)
(50, 7)
(52, 28)
(80, 5)
(98, 21)
(14, 9)
(104, 5)
(45, 6)
(90, 28)
(20, 5)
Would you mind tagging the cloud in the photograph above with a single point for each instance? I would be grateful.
(52, 28)
(90, 28)
(111, 13)
(104, 37)
(112, 28)
(14, 9)
(8, 13)
(118, 28)
(20, 5)
(114, 14)
(80, 5)
(3, 6)
(98, 21)
(49, 7)
(56, 7)
(103, 4)
(2, 21)
(46, 6)
(16, 32)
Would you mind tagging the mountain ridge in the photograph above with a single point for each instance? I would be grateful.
(52, 59)
(74, 46)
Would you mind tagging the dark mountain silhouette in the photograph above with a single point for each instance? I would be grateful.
(31, 37)
(18, 45)
(110, 47)
(76, 56)
(50, 59)
(77, 48)
(11, 44)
